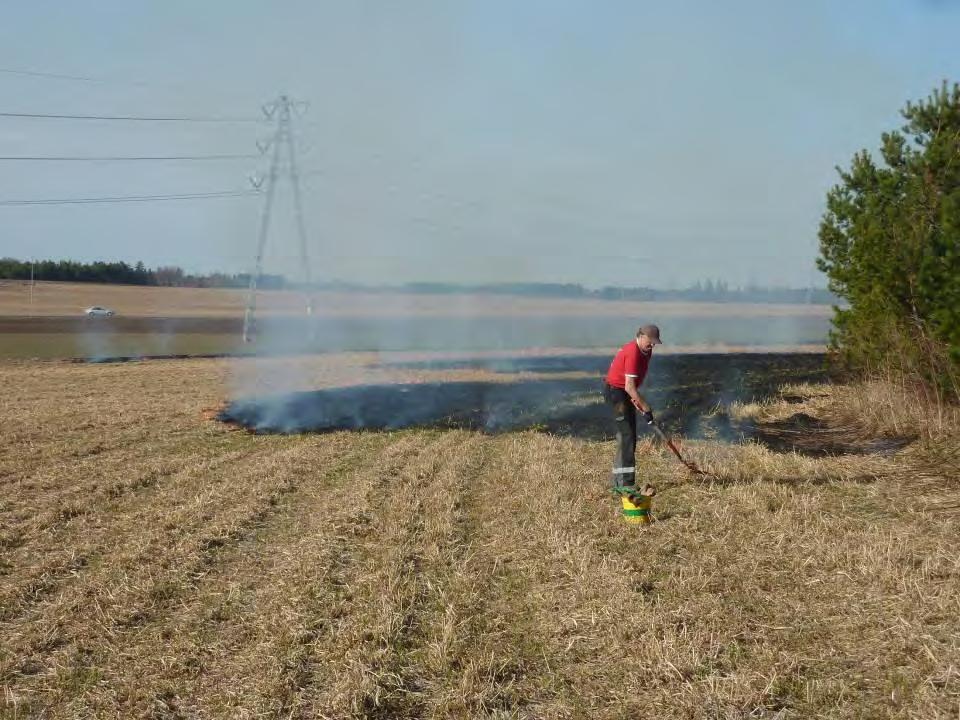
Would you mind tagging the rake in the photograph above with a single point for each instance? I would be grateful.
(691, 466)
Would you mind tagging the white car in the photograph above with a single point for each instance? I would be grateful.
(97, 311)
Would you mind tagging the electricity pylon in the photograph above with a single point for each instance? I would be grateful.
(282, 142)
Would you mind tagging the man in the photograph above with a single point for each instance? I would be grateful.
(626, 374)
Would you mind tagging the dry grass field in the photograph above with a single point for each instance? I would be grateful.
(53, 299)
(157, 564)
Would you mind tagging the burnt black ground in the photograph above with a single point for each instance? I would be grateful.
(683, 389)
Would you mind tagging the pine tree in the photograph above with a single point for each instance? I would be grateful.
(890, 245)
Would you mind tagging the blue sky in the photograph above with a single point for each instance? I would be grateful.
(593, 142)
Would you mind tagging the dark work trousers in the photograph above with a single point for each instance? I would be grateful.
(625, 415)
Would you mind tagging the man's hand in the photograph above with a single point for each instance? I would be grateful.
(645, 412)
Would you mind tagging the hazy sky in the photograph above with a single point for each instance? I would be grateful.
(594, 141)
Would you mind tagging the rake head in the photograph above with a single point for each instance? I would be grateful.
(690, 465)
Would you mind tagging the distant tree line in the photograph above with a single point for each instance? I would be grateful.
(122, 273)
(720, 291)
(707, 291)
(890, 246)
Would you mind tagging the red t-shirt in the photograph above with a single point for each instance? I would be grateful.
(628, 361)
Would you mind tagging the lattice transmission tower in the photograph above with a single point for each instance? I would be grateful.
(283, 163)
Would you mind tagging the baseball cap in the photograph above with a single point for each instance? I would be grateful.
(652, 332)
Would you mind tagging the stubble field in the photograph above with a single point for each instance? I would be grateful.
(156, 563)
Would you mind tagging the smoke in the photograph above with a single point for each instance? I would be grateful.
(400, 329)
(96, 339)
(486, 406)
(273, 396)
(106, 339)
(161, 340)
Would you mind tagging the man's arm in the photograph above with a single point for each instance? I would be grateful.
(630, 385)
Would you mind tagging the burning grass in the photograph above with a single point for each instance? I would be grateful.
(153, 564)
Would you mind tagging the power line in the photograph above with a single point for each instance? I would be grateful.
(119, 158)
(130, 198)
(58, 76)
(110, 81)
(131, 118)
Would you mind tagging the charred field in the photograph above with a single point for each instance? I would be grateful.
(156, 563)
(559, 395)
